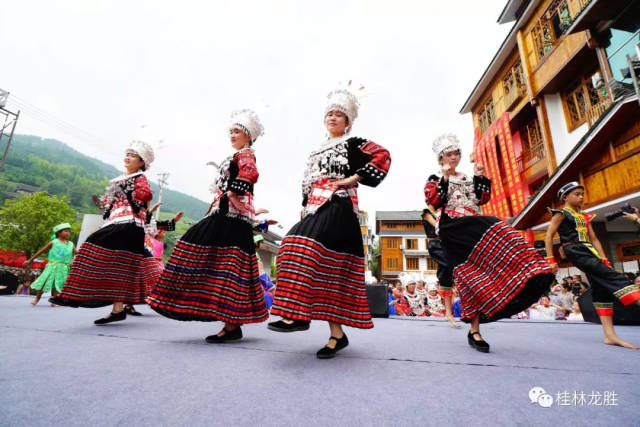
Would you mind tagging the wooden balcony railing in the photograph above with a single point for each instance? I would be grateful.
(554, 23)
(577, 6)
(594, 113)
(530, 157)
(515, 94)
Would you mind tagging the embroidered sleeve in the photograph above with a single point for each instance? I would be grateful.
(166, 225)
(435, 191)
(247, 173)
(373, 161)
(482, 188)
(141, 191)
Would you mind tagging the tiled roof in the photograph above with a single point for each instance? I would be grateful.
(398, 215)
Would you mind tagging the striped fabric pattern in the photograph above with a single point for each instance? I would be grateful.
(628, 294)
(496, 271)
(99, 274)
(318, 283)
(151, 271)
(208, 283)
(603, 308)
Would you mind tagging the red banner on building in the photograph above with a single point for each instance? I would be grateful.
(495, 151)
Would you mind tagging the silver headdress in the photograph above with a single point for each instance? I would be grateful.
(247, 121)
(430, 279)
(444, 143)
(143, 150)
(344, 101)
(406, 279)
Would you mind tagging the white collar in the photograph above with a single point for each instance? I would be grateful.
(329, 143)
(123, 177)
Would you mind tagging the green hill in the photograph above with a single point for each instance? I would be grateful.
(59, 169)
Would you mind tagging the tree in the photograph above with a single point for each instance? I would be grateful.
(26, 222)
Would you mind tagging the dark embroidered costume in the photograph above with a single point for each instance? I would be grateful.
(437, 252)
(321, 260)
(605, 281)
(496, 271)
(212, 273)
(108, 266)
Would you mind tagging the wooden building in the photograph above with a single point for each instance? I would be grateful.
(403, 245)
(367, 238)
(553, 106)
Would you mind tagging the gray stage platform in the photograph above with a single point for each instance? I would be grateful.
(57, 368)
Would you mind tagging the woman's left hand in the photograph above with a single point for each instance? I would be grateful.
(479, 169)
(178, 216)
(631, 217)
(154, 207)
(346, 182)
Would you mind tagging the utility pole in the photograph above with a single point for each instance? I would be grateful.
(162, 182)
(10, 119)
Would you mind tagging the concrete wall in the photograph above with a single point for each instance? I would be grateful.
(563, 140)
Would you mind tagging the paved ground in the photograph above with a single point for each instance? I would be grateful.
(57, 368)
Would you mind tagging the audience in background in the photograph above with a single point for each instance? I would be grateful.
(435, 303)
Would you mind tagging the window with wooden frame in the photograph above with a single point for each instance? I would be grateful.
(392, 263)
(392, 243)
(530, 134)
(514, 79)
(551, 26)
(411, 244)
(628, 251)
(431, 264)
(413, 263)
(543, 38)
(486, 115)
(513, 85)
(532, 146)
(578, 99)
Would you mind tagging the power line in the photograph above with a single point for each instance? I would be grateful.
(55, 123)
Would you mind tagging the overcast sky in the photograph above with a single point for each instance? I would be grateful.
(180, 68)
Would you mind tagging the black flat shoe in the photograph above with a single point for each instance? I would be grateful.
(282, 326)
(229, 335)
(480, 345)
(132, 311)
(113, 317)
(327, 352)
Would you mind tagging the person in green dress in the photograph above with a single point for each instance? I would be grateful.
(61, 251)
